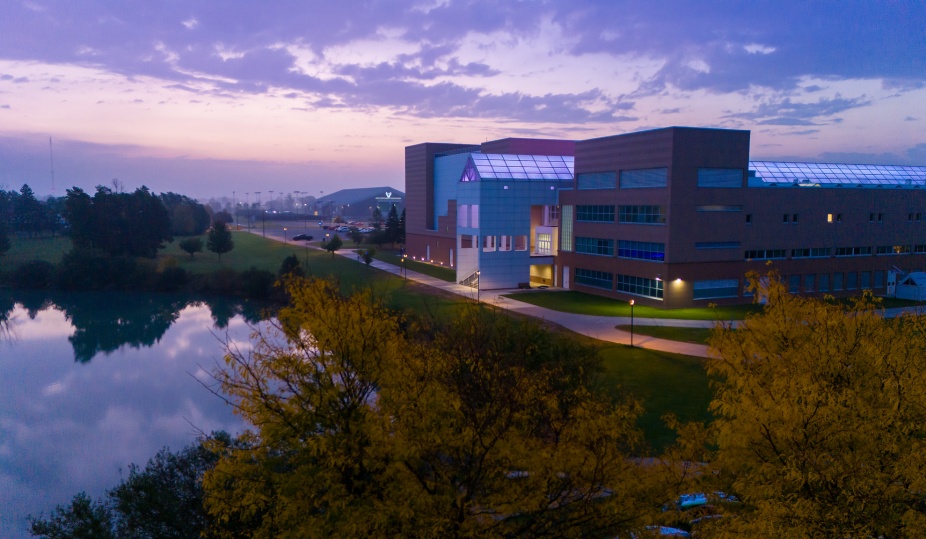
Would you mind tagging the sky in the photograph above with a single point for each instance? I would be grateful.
(207, 98)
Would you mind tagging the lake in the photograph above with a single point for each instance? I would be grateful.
(91, 382)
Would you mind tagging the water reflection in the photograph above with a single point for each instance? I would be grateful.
(136, 386)
(107, 322)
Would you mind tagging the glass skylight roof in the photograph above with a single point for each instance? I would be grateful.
(830, 174)
(520, 167)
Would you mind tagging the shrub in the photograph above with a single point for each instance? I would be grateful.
(35, 274)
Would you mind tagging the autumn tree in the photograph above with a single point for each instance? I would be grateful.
(220, 240)
(369, 425)
(820, 422)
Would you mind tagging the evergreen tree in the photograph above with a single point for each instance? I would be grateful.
(377, 220)
(220, 240)
(401, 238)
(392, 225)
(4, 239)
(192, 245)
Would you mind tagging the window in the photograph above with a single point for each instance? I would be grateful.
(717, 245)
(910, 217)
(520, 243)
(488, 243)
(552, 215)
(474, 215)
(853, 251)
(642, 250)
(595, 246)
(831, 219)
(640, 286)
(466, 241)
(817, 252)
(650, 177)
(766, 254)
(837, 282)
(463, 216)
(748, 218)
(593, 278)
(596, 180)
(784, 218)
(647, 215)
(504, 243)
(873, 216)
(794, 218)
(595, 214)
(879, 279)
(719, 208)
(809, 281)
(919, 249)
(544, 243)
(851, 280)
(794, 284)
(893, 250)
(823, 284)
(720, 177)
(864, 279)
(566, 230)
(719, 288)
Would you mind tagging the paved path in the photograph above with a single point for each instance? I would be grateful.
(598, 327)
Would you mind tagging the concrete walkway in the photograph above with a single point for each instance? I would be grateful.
(597, 327)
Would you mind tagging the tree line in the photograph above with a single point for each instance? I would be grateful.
(365, 422)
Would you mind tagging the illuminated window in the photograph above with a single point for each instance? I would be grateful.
(544, 243)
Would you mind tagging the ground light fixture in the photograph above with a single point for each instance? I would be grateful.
(631, 323)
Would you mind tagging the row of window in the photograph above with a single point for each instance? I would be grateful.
(641, 214)
(793, 218)
(637, 250)
(639, 286)
(656, 177)
(836, 282)
(494, 243)
(823, 252)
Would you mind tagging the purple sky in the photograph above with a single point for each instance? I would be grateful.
(207, 97)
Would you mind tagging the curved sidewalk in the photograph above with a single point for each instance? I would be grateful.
(602, 328)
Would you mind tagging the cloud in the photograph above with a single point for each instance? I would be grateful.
(787, 112)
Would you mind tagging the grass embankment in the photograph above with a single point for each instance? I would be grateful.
(662, 382)
(581, 303)
(24, 249)
(391, 256)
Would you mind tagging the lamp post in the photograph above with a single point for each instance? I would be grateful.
(405, 266)
(631, 323)
(284, 235)
(247, 206)
(263, 220)
(235, 209)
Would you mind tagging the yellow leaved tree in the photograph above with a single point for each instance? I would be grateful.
(366, 424)
(820, 425)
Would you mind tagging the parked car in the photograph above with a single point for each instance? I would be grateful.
(343, 229)
(302, 237)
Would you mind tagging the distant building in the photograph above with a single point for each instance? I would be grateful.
(359, 203)
(673, 217)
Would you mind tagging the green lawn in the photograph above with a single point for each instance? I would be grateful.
(662, 382)
(24, 249)
(570, 301)
(693, 335)
(391, 256)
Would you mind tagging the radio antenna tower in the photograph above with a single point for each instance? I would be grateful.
(51, 157)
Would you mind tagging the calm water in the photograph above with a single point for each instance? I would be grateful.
(90, 383)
